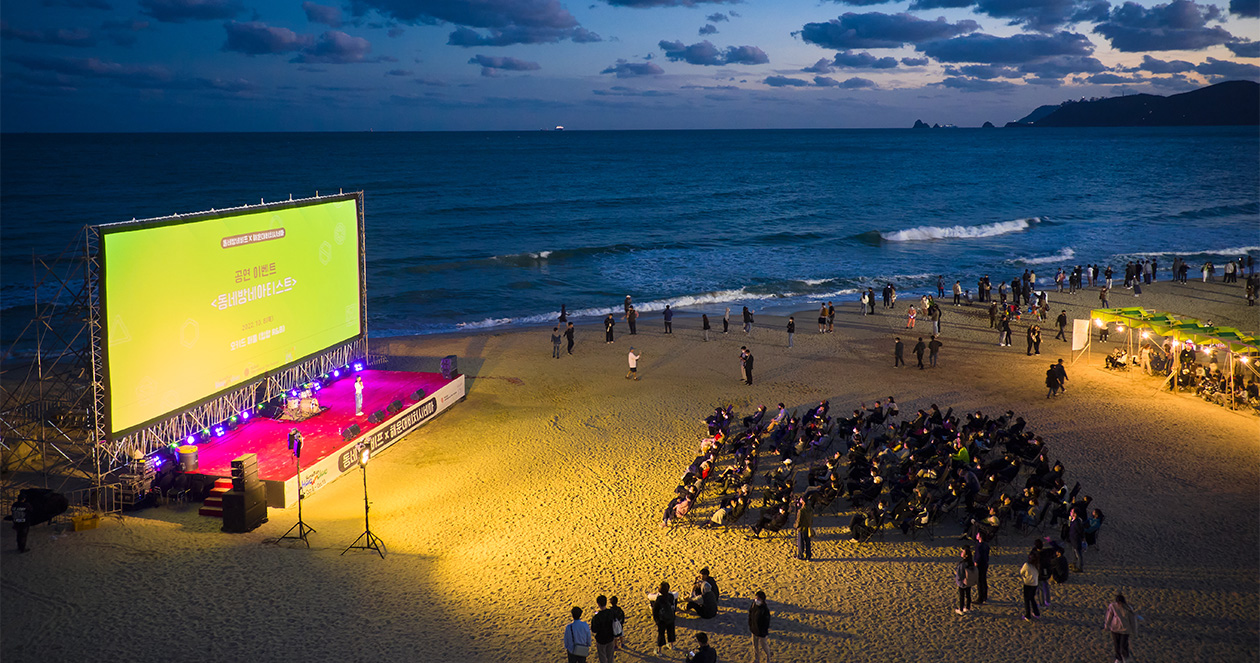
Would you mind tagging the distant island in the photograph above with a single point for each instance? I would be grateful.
(1232, 103)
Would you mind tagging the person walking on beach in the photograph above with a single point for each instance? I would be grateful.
(898, 348)
(20, 514)
(1052, 382)
(1076, 539)
(602, 630)
(1102, 297)
(568, 335)
(870, 300)
(1061, 321)
(609, 323)
(910, 316)
(619, 616)
(704, 326)
(982, 568)
(1061, 373)
(633, 373)
(748, 367)
(555, 342)
(957, 293)
(934, 346)
(358, 395)
(632, 317)
(664, 605)
(918, 351)
(748, 321)
(577, 638)
(726, 321)
(804, 530)
(759, 626)
(1005, 335)
(1121, 621)
(822, 318)
(965, 577)
(1030, 575)
(668, 314)
(791, 329)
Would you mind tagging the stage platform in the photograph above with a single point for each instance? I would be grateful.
(326, 454)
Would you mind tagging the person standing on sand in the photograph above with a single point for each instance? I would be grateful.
(822, 318)
(577, 638)
(940, 286)
(910, 316)
(898, 359)
(934, 314)
(564, 317)
(664, 605)
(1030, 575)
(619, 616)
(957, 293)
(743, 363)
(602, 629)
(20, 514)
(555, 342)
(862, 302)
(726, 321)
(804, 530)
(934, 346)
(791, 329)
(831, 318)
(748, 367)
(628, 305)
(668, 314)
(982, 567)
(870, 299)
(704, 326)
(633, 373)
(918, 351)
(1036, 339)
(1005, 336)
(1061, 321)
(609, 323)
(1029, 335)
(1121, 621)
(568, 335)
(993, 311)
(759, 626)
(892, 292)
(632, 316)
(748, 320)
(965, 579)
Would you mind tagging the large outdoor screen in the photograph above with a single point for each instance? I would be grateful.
(197, 306)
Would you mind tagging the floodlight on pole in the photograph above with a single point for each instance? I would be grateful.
(370, 540)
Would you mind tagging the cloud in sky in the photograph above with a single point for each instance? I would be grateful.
(1244, 49)
(877, 30)
(863, 60)
(976, 84)
(78, 37)
(1180, 25)
(1249, 8)
(1224, 69)
(507, 22)
(717, 17)
(1156, 66)
(785, 81)
(336, 47)
(1016, 49)
(519, 35)
(625, 69)
(823, 66)
(622, 91)
(705, 53)
(492, 65)
(330, 16)
(179, 11)
(708, 29)
(254, 38)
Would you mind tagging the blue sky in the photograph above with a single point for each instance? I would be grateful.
(419, 65)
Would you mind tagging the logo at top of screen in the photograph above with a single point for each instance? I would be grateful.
(339, 233)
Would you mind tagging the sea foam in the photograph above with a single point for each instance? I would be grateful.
(959, 232)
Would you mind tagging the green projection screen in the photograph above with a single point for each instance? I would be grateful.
(193, 307)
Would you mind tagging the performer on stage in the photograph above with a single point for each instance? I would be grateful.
(358, 396)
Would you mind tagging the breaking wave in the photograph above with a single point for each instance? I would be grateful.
(923, 233)
(1064, 255)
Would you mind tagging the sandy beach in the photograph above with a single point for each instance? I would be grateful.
(546, 486)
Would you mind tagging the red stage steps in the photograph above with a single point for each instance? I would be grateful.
(213, 506)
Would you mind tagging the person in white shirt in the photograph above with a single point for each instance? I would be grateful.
(633, 373)
(358, 396)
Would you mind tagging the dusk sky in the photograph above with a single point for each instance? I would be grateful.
(420, 65)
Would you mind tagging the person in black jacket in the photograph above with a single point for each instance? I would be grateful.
(759, 626)
(663, 606)
(705, 653)
(918, 351)
(602, 629)
(791, 329)
(898, 348)
(748, 367)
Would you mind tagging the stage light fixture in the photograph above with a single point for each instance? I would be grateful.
(1243, 359)
(218, 431)
(358, 366)
(245, 415)
(337, 373)
(364, 456)
(1119, 328)
(192, 439)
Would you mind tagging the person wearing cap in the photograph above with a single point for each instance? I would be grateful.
(633, 373)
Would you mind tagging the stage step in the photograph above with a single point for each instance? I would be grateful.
(213, 506)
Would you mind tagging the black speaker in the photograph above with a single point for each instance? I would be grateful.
(351, 432)
(449, 366)
(417, 394)
(394, 407)
(270, 410)
(245, 510)
(377, 417)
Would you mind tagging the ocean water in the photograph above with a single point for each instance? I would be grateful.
(479, 230)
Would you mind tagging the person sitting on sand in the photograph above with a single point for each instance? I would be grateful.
(703, 601)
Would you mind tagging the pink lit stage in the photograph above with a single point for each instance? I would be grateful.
(326, 454)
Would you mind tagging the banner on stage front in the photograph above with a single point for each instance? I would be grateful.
(1080, 334)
